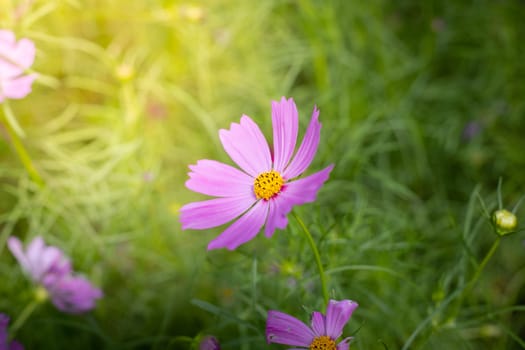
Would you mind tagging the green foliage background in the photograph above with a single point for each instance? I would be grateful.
(131, 92)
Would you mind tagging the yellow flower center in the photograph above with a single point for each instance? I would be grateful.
(267, 184)
(323, 342)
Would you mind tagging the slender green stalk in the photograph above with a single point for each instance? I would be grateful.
(317, 257)
(182, 339)
(459, 294)
(11, 120)
(14, 135)
(477, 274)
(481, 266)
(24, 315)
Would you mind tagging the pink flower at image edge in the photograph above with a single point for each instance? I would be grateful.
(49, 267)
(5, 344)
(265, 189)
(323, 333)
(15, 59)
(209, 342)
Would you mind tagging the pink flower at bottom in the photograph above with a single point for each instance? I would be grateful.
(5, 344)
(209, 342)
(50, 268)
(284, 329)
(267, 186)
(15, 59)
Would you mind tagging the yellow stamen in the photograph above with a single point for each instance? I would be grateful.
(267, 184)
(323, 342)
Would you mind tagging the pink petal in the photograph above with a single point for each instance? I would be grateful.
(35, 247)
(337, 315)
(285, 122)
(74, 294)
(42, 259)
(15, 246)
(9, 70)
(52, 260)
(344, 344)
(4, 323)
(209, 342)
(15, 345)
(242, 230)
(217, 179)
(7, 44)
(246, 146)
(285, 329)
(17, 87)
(214, 212)
(277, 215)
(15, 57)
(304, 190)
(5, 343)
(39, 260)
(307, 150)
(34, 252)
(7, 37)
(24, 54)
(318, 324)
(44, 262)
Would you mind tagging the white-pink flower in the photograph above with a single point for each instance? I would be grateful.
(49, 267)
(15, 59)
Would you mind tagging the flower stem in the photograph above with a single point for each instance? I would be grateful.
(477, 274)
(22, 318)
(15, 132)
(11, 120)
(481, 266)
(317, 257)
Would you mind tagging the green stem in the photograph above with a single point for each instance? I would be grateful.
(477, 274)
(22, 318)
(481, 266)
(11, 120)
(19, 147)
(317, 257)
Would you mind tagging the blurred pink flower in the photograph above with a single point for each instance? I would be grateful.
(471, 130)
(209, 342)
(15, 58)
(266, 188)
(323, 333)
(5, 344)
(50, 268)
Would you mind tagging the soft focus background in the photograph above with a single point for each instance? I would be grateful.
(423, 112)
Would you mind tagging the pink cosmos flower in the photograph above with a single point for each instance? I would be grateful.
(50, 268)
(265, 188)
(73, 294)
(5, 344)
(323, 333)
(15, 58)
(209, 342)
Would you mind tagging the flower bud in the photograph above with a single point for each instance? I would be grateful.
(504, 221)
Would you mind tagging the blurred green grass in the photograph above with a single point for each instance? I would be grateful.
(132, 92)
